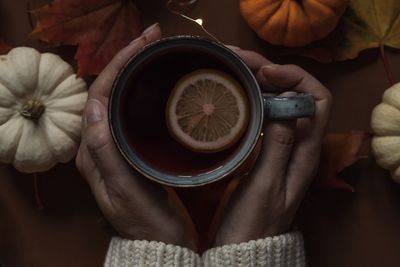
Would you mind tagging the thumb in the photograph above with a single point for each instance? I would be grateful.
(100, 144)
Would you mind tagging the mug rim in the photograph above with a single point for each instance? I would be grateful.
(145, 168)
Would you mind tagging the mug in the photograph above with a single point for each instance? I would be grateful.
(139, 95)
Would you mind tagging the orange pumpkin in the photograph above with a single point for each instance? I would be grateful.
(292, 22)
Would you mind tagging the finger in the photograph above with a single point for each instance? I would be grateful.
(251, 202)
(252, 59)
(85, 164)
(305, 157)
(103, 84)
(271, 168)
(100, 144)
(255, 62)
(295, 78)
(116, 175)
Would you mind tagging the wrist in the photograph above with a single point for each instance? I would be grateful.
(245, 234)
(180, 237)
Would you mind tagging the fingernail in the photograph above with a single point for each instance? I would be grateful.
(145, 33)
(289, 94)
(233, 47)
(93, 111)
(149, 29)
(270, 66)
(137, 39)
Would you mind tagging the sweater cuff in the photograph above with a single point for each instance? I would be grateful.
(124, 253)
(282, 250)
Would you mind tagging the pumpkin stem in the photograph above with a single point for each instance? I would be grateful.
(32, 109)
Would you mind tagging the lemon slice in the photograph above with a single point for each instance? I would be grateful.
(207, 111)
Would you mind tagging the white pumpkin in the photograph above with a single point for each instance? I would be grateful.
(41, 102)
(385, 123)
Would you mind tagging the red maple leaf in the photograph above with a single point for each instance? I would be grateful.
(100, 28)
(340, 151)
(4, 47)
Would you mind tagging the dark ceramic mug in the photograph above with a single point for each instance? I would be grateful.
(138, 100)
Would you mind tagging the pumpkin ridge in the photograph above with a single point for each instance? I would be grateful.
(64, 89)
(6, 114)
(276, 16)
(390, 97)
(33, 134)
(313, 26)
(46, 130)
(8, 85)
(268, 18)
(6, 95)
(60, 110)
(274, 11)
(23, 63)
(287, 20)
(71, 104)
(392, 124)
(69, 132)
(59, 67)
(387, 160)
(11, 151)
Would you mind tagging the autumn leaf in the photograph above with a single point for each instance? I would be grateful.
(340, 151)
(366, 24)
(4, 47)
(99, 27)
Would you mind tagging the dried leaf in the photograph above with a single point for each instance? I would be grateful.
(340, 151)
(100, 28)
(366, 24)
(4, 48)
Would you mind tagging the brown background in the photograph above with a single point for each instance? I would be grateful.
(341, 229)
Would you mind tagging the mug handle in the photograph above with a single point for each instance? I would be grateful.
(287, 108)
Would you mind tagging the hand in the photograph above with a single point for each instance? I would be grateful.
(265, 202)
(137, 208)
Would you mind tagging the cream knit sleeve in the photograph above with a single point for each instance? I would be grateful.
(278, 251)
(127, 253)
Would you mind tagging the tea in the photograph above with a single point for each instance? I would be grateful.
(143, 113)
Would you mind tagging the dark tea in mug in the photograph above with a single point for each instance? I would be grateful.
(143, 106)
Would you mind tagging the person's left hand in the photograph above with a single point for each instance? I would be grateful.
(137, 208)
(266, 201)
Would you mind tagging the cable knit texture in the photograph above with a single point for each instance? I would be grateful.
(278, 251)
(124, 253)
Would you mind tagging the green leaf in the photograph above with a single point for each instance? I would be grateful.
(366, 24)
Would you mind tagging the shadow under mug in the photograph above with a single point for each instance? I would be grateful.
(139, 95)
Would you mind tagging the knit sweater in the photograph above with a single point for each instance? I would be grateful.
(279, 251)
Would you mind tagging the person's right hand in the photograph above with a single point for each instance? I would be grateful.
(137, 208)
(266, 201)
